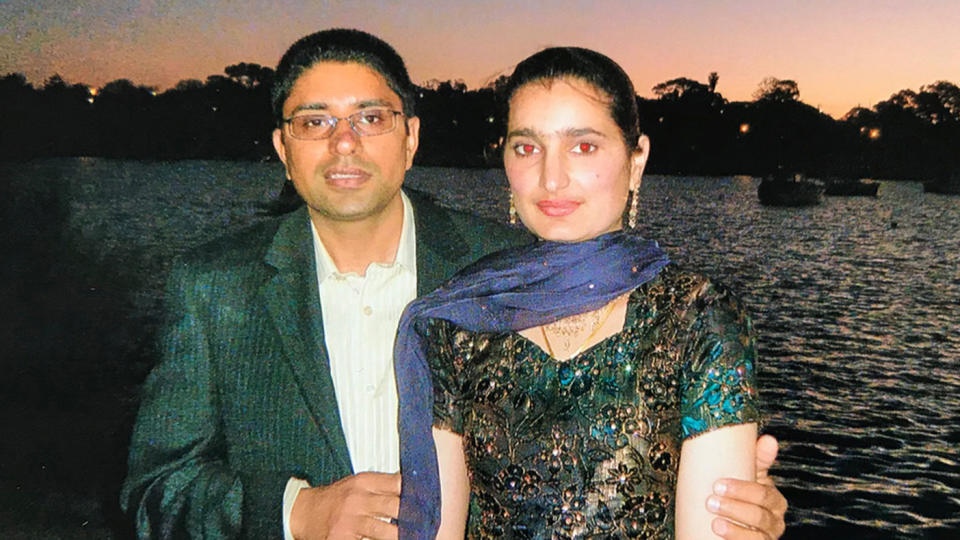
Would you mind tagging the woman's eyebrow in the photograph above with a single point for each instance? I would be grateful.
(523, 132)
(579, 132)
(566, 132)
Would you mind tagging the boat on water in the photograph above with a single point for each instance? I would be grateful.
(945, 185)
(850, 187)
(789, 190)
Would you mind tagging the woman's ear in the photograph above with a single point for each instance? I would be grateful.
(638, 161)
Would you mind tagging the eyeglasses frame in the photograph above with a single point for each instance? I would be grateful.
(336, 122)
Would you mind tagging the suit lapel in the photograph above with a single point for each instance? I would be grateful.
(441, 250)
(293, 301)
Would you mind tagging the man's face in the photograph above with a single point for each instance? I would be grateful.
(346, 177)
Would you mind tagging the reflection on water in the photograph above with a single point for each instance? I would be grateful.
(857, 305)
(856, 302)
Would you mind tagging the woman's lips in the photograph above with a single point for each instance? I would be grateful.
(346, 178)
(558, 208)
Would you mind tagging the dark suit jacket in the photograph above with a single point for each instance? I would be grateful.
(242, 398)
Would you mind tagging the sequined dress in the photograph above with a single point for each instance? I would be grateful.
(590, 447)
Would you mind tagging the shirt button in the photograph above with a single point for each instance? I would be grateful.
(370, 388)
(367, 310)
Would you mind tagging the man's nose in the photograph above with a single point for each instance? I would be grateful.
(344, 140)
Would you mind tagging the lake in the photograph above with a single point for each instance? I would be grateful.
(856, 301)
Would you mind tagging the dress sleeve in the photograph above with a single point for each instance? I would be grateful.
(446, 367)
(718, 386)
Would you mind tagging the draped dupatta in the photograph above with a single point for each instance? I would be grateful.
(510, 290)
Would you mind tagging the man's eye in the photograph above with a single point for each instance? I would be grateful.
(314, 122)
(584, 148)
(524, 149)
(372, 117)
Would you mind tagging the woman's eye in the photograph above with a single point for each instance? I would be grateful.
(523, 149)
(584, 148)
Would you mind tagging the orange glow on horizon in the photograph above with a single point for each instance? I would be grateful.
(841, 54)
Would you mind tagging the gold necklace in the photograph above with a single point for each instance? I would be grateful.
(574, 325)
(593, 333)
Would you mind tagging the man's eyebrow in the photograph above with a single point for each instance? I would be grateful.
(316, 106)
(379, 102)
(321, 106)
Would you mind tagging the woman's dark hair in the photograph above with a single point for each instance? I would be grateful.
(341, 45)
(589, 66)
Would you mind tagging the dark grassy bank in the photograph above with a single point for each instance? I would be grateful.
(74, 352)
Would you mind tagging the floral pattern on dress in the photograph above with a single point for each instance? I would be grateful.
(590, 447)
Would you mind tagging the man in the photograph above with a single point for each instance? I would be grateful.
(273, 411)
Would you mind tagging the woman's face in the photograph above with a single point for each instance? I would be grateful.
(568, 167)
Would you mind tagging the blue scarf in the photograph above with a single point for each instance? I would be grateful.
(509, 290)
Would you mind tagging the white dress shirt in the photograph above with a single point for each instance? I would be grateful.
(360, 318)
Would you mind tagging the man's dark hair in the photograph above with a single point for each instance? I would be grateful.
(589, 66)
(341, 45)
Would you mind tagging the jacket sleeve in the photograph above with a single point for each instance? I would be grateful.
(179, 483)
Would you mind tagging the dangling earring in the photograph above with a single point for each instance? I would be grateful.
(632, 216)
(513, 211)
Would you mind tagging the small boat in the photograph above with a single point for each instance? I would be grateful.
(850, 187)
(945, 185)
(795, 190)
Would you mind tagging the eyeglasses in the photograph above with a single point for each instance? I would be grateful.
(366, 123)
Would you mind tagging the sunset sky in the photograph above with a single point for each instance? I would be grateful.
(842, 53)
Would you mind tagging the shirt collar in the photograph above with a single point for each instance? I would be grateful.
(406, 258)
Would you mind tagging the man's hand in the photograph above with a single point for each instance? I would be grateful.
(358, 506)
(758, 505)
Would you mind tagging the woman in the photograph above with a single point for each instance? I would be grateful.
(582, 386)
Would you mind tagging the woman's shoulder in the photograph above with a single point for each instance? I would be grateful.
(460, 341)
(684, 292)
(678, 285)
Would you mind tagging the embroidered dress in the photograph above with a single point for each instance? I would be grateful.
(590, 446)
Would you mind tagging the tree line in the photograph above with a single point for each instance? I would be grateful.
(694, 129)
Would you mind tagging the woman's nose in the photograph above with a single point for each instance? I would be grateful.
(553, 175)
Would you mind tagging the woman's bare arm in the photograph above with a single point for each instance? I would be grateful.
(727, 452)
(454, 484)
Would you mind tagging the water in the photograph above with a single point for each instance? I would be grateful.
(857, 303)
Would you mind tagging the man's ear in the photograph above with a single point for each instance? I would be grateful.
(281, 148)
(413, 139)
